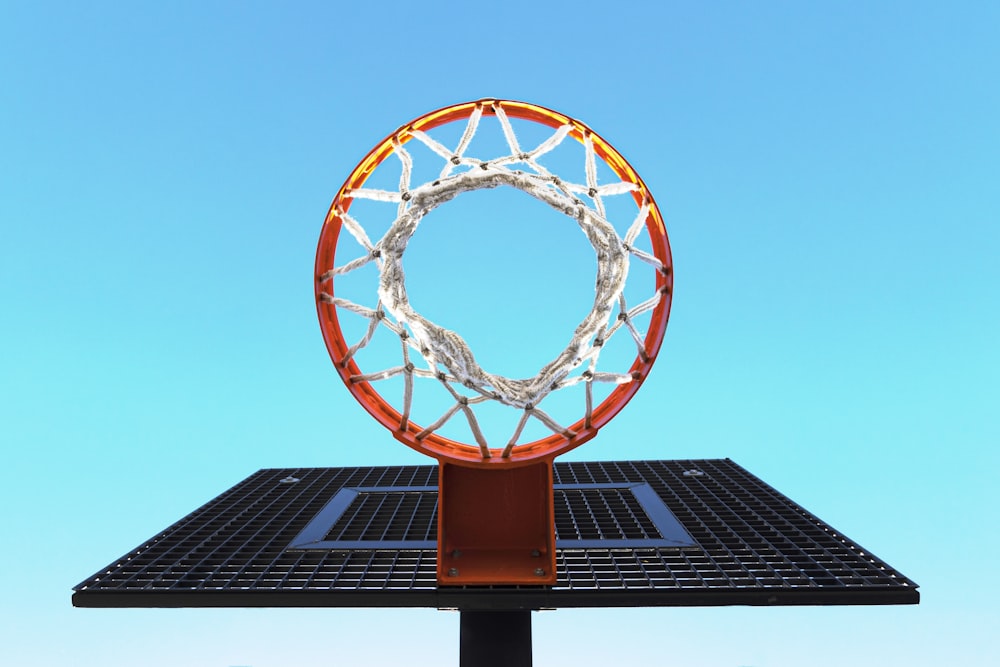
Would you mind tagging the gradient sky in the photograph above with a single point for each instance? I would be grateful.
(829, 179)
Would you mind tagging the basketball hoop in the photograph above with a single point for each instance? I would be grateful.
(448, 359)
(516, 544)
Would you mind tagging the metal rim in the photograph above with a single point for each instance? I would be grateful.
(440, 447)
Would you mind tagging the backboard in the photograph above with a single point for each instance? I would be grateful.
(628, 533)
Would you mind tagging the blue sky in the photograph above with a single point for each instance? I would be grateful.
(828, 178)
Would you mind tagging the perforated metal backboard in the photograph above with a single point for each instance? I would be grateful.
(632, 533)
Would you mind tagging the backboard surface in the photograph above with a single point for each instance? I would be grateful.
(628, 533)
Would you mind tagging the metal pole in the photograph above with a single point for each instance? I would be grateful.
(495, 639)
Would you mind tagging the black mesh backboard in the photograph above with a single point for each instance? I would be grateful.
(636, 533)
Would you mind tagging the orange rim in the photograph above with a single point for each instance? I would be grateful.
(440, 447)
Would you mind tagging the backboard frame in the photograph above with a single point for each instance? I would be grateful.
(754, 546)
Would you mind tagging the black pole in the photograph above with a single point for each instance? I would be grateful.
(495, 639)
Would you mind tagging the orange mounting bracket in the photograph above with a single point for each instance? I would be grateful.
(496, 525)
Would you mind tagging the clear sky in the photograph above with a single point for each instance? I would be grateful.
(828, 174)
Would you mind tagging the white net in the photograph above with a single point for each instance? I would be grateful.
(446, 357)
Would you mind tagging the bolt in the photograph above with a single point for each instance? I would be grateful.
(539, 572)
(453, 572)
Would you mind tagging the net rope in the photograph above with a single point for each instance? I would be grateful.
(447, 356)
